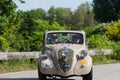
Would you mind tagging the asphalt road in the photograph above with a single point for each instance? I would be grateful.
(100, 72)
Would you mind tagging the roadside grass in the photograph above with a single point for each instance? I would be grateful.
(105, 59)
(17, 65)
(27, 64)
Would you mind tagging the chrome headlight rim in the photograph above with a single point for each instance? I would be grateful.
(83, 53)
(48, 51)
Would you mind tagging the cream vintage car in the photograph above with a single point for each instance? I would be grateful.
(64, 55)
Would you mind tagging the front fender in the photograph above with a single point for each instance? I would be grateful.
(83, 66)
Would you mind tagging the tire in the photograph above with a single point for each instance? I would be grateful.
(40, 75)
(88, 76)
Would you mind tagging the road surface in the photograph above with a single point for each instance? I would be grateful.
(100, 72)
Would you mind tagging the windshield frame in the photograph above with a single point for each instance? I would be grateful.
(64, 33)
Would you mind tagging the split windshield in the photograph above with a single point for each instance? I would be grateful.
(62, 37)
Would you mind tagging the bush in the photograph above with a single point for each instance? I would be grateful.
(114, 31)
(100, 42)
(4, 45)
(89, 31)
(102, 28)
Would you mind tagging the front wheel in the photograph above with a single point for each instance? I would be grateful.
(40, 75)
(88, 76)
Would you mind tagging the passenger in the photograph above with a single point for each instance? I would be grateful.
(54, 38)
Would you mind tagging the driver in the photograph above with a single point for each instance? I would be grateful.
(75, 38)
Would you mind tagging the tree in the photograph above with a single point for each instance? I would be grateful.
(106, 10)
(9, 21)
(78, 17)
(34, 41)
(28, 18)
(89, 18)
(36, 14)
(51, 15)
(82, 17)
(64, 16)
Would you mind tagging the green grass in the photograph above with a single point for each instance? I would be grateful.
(104, 59)
(17, 65)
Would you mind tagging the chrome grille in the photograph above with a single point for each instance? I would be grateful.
(65, 58)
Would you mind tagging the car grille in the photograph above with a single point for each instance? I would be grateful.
(65, 59)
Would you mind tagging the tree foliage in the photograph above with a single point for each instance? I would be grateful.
(64, 16)
(106, 10)
(33, 39)
(99, 37)
(102, 28)
(23, 30)
(51, 17)
(9, 22)
(76, 20)
(7, 7)
(83, 17)
(4, 45)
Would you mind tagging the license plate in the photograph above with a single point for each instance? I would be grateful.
(65, 66)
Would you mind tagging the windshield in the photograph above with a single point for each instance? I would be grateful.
(62, 37)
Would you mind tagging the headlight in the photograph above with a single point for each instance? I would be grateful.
(48, 63)
(83, 53)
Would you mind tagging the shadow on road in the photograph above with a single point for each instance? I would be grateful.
(29, 79)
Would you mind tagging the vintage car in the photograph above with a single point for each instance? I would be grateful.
(64, 54)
